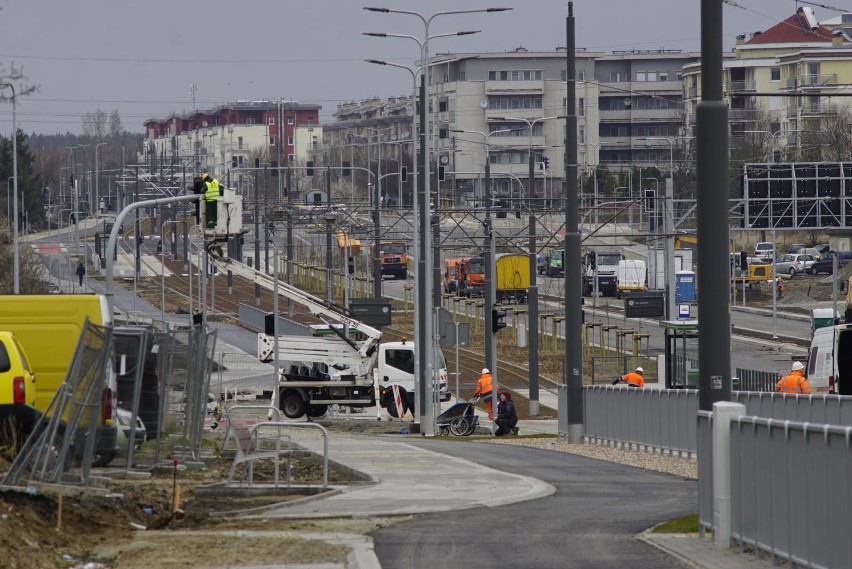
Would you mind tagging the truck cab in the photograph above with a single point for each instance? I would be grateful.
(471, 280)
(451, 275)
(601, 267)
(393, 256)
(396, 367)
(554, 263)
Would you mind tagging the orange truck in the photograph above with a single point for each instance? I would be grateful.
(451, 274)
(471, 277)
(394, 258)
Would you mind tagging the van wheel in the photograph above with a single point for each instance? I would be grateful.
(792, 272)
(101, 460)
(293, 406)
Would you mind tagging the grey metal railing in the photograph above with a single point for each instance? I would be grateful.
(754, 380)
(705, 471)
(665, 418)
(789, 492)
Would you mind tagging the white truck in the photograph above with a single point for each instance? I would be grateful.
(337, 368)
(601, 266)
(632, 275)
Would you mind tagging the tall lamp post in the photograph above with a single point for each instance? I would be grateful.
(668, 230)
(97, 204)
(488, 246)
(16, 264)
(426, 369)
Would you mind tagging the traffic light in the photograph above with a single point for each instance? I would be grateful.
(274, 168)
(442, 173)
(234, 162)
(545, 163)
(347, 168)
(650, 200)
(497, 316)
(403, 176)
(310, 166)
(74, 219)
(350, 265)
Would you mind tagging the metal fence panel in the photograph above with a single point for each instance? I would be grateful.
(704, 426)
(837, 473)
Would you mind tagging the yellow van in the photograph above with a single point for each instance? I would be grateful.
(48, 326)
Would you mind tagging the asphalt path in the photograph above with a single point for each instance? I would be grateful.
(590, 521)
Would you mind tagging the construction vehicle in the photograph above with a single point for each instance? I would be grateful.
(451, 275)
(632, 276)
(511, 277)
(393, 256)
(748, 271)
(334, 364)
(471, 280)
(554, 263)
(600, 266)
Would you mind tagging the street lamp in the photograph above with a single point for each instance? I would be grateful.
(426, 365)
(163, 269)
(488, 246)
(97, 202)
(16, 264)
(595, 146)
(668, 227)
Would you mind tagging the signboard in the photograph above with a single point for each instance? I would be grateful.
(683, 311)
(650, 304)
(371, 311)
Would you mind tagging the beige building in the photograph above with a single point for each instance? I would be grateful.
(781, 82)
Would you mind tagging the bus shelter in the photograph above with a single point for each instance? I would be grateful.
(681, 340)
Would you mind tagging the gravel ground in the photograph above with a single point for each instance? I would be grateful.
(670, 464)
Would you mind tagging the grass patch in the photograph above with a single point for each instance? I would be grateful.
(686, 524)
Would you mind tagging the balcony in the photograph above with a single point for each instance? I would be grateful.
(692, 92)
(520, 142)
(743, 115)
(811, 81)
(513, 87)
(740, 86)
(811, 110)
(500, 114)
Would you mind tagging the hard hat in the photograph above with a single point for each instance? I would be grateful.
(797, 366)
(486, 370)
(640, 370)
(205, 175)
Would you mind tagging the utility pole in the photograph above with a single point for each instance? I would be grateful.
(488, 248)
(714, 334)
(571, 416)
(532, 302)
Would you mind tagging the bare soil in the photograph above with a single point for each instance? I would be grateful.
(105, 528)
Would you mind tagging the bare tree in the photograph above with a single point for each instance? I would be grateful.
(95, 124)
(828, 138)
(115, 126)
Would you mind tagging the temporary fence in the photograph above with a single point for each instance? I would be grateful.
(754, 380)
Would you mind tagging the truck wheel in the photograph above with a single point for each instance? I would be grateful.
(587, 291)
(403, 274)
(293, 406)
(317, 410)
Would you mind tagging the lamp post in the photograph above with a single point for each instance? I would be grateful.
(97, 203)
(488, 246)
(426, 369)
(88, 181)
(163, 268)
(16, 263)
(668, 230)
(595, 146)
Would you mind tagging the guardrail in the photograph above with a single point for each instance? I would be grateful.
(665, 418)
(789, 490)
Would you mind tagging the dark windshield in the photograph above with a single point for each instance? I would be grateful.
(476, 266)
(397, 248)
(608, 259)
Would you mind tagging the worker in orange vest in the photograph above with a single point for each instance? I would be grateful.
(484, 389)
(795, 382)
(634, 378)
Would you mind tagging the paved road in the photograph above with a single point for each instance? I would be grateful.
(590, 521)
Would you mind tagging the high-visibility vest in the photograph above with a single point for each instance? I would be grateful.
(634, 378)
(793, 383)
(483, 385)
(212, 193)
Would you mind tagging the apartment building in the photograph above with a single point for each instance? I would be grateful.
(231, 136)
(780, 81)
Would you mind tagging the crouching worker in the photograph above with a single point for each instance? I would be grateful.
(507, 418)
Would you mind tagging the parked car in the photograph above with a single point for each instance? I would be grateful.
(812, 251)
(825, 264)
(793, 264)
(764, 250)
(124, 423)
(794, 248)
(823, 248)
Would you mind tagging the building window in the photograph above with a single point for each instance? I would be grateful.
(271, 121)
(462, 76)
(775, 73)
(581, 75)
(290, 120)
(581, 107)
(514, 75)
(664, 76)
(617, 76)
(652, 76)
(641, 76)
(290, 158)
(249, 120)
(443, 133)
(271, 141)
(240, 142)
(442, 106)
(289, 141)
(581, 135)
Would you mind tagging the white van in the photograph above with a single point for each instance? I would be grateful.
(631, 275)
(830, 360)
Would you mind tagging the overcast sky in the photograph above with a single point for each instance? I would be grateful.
(142, 57)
